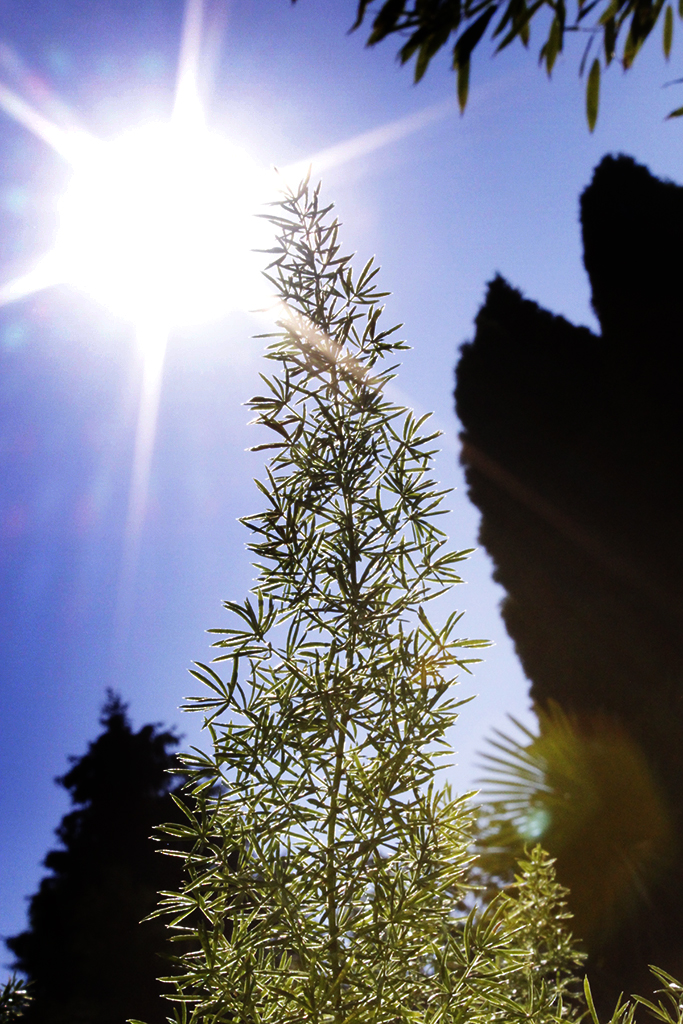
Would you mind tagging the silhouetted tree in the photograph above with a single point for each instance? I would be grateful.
(88, 957)
(573, 446)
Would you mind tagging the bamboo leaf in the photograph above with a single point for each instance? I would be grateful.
(553, 45)
(463, 84)
(593, 94)
(668, 32)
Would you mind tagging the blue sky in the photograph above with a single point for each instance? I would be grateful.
(443, 208)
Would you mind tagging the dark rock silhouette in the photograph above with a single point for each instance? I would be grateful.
(86, 954)
(573, 447)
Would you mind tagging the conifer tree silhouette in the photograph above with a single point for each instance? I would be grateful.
(86, 954)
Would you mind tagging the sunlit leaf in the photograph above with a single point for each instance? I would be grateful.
(630, 50)
(593, 94)
(610, 13)
(554, 44)
(610, 39)
(586, 53)
(668, 33)
(463, 84)
(471, 36)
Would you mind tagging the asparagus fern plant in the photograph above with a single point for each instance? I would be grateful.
(328, 869)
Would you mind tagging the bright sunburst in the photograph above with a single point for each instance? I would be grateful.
(159, 225)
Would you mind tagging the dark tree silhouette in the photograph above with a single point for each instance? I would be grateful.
(86, 954)
(573, 447)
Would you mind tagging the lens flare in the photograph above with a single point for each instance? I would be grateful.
(160, 226)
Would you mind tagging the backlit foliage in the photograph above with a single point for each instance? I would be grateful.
(329, 875)
(618, 28)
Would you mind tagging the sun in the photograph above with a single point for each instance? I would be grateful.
(160, 225)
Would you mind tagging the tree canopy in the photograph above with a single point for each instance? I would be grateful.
(613, 30)
(88, 958)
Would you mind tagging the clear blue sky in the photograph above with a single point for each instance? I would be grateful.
(443, 208)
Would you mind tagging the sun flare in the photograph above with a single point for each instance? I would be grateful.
(159, 225)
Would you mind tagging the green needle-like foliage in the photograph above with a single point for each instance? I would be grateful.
(328, 873)
(14, 1000)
